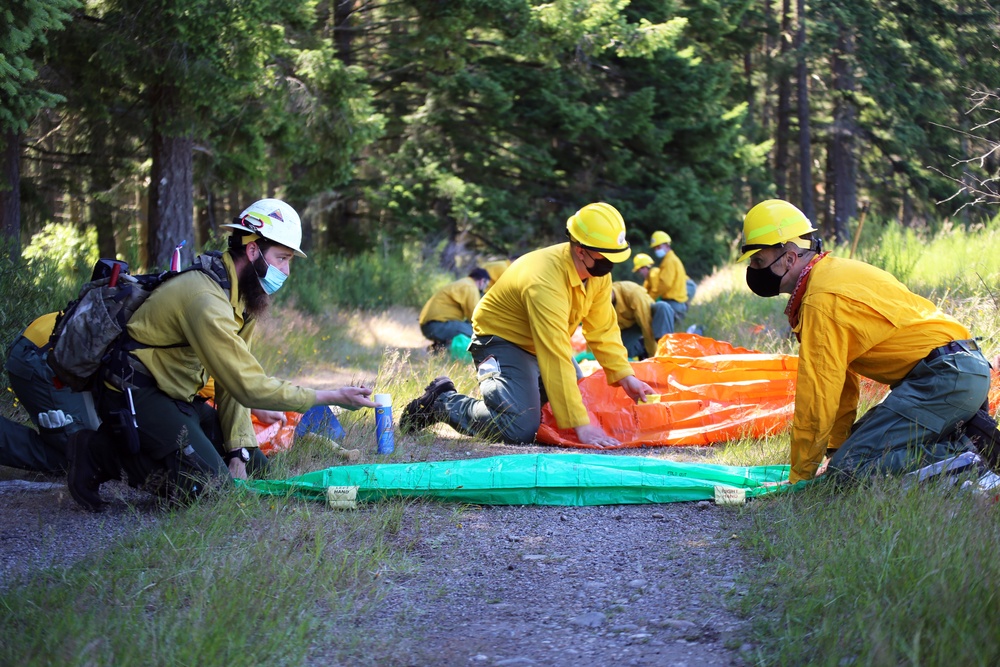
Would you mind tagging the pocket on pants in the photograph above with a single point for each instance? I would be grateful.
(488, 369)
(971, 381)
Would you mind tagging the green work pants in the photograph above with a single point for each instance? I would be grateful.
(22, 447)
(179, 443)
(509, 381)
(33, 383)
(913, 424)
(662, 324)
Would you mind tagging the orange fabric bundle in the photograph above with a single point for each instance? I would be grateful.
(272, 438)
(710, 391)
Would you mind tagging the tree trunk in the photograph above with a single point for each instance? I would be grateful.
(826, 195)
(784, 112)
(842, 137)
(102, 210)
(805, 150)
(346, 213)
(769, 71)
(342, 36)
(10, 193)
(205, 221)
(171, 190)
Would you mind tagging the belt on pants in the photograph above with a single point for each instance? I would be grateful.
(951, 348)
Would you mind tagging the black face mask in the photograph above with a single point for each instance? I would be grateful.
(763, 281)
(602, 266)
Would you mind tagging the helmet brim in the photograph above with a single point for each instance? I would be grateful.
(619, 256)
(298, 253)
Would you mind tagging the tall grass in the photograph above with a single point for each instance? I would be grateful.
(373, 280)
(242, 580)
(872, 574)
(869, 575)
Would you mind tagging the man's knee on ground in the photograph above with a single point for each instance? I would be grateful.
(521, 430)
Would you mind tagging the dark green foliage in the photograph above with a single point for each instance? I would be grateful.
(478, 126)
(581, 105)
(24, 26)
(370, 281)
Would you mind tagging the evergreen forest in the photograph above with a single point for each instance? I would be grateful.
(480, 125)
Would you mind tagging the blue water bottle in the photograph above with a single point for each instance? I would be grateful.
(383, 424)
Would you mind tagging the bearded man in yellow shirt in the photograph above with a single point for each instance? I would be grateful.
(853, 320)
(522, 348)
(192, 327)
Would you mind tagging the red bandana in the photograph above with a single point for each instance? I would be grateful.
(792, 309)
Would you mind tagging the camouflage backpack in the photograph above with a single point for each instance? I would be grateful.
(86, 332)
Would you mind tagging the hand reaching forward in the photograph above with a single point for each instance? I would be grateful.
(351, 398)
(591, 434)
(269, 417)
(636, 389)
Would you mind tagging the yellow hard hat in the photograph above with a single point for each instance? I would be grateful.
(659, 238)
(771, 223)
(641, 260)
(600, 227)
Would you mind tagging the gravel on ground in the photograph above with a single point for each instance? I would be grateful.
(561, 586)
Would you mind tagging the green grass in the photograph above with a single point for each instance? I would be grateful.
(873, 574)
(373, 280)
(238, 580)
(870, 575)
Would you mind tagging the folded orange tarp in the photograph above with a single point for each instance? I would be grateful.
(710, 391)
(273, 438)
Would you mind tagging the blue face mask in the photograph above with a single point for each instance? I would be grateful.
(660, 253)
(272, 280)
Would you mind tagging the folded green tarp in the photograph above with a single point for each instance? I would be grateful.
(535, 479)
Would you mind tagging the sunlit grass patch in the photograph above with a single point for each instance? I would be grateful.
(875, 575)
(234, 579)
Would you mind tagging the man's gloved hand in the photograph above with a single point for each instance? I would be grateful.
(53, 419)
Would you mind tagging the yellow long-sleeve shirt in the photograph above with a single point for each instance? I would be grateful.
(537, 306)
(454, 301)
(671, 280)
(854, 320)
(192, 309)
(633, 306)
(650, 283)
(495, 268)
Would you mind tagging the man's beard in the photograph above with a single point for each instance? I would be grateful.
(255, 300)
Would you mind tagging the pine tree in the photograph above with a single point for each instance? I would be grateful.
(24, 29)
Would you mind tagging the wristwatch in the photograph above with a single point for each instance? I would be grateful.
(242, 454)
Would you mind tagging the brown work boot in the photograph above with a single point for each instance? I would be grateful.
(85, 475)
(983, 431)
(419, 413)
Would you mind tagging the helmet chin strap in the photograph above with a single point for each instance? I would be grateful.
(259, 264)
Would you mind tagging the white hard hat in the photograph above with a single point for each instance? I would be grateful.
(273, 220)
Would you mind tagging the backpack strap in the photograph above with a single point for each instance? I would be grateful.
(212, 264)
(122, 367)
